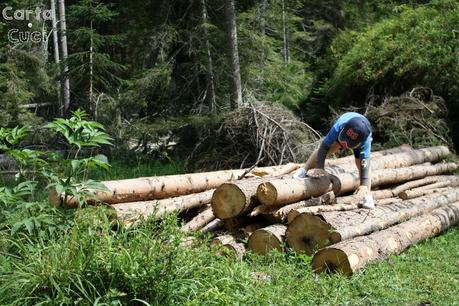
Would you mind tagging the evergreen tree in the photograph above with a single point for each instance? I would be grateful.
(92, 70)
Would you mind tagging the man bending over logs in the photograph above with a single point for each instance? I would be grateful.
(350, 131)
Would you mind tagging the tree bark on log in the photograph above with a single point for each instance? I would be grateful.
(199, 221)
(417, 183)
(160, 187)
(229, 245)
(377, 154)
(351, 255)
(335, 207)
(280, 214)
(159, 208)
(286, 191)
(412, 194)
(308, 232)
(281, 192)
(398, 160)
(453, 181)
(266, 239)
(347, 182)
(213, 226)
(355, 199)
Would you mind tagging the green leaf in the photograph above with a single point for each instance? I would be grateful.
(29, 226)
(16, 227)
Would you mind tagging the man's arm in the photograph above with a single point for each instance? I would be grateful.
(362, 161)
(363, 165)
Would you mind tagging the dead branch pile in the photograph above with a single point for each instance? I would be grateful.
(259, 134)
(265, 209)
(418, 118)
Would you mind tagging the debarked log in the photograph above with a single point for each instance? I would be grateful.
(351, 255)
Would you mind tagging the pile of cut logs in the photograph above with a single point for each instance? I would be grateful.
(415, 194)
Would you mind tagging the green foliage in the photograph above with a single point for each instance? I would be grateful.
(415, 47)
(71, 178)
(17, 194)
(28, 161)
(267, 75)
(93, 264)
(91, 61)
(23, 80)
(80, 132)
(37, 221)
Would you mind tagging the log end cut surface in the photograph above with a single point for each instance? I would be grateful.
(263, 240)
(267, 193)
(308, 233)
(331, 260)
(228, 201)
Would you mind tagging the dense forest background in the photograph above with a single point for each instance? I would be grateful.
(146, 68)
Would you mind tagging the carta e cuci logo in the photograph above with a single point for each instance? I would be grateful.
(17, 36)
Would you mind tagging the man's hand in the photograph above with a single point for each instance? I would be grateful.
(300, 173)
(362, 191)
(317, 173)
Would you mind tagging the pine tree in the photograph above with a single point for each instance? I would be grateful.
(93, 70)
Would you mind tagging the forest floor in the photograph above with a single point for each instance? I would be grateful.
(93, 265)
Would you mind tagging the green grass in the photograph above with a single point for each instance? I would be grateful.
(88, 262)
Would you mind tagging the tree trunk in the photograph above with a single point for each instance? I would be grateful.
(417, 183)
(351, 255)
(198, 222)
(160, 208)
(280, 214)
(56, 53)
(65, 68)
(210, 70)
(292, 214)
(285, 35)
(429, 189)
(266, 239)
(233, 54)
(91, 77)
(397, 160)
(160, 187)
(229, 245)
(377, 154)
(308, 233)
(280, 192)
(234, 199)
(263, 11)
(412, 194)
(347, 182)
(355, 199)
(213, 226)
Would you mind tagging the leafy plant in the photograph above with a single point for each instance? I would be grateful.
(17, 194)
(72, 179)
(29, 162)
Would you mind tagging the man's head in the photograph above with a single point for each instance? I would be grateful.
(354, 132)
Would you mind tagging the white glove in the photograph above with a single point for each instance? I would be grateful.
(300, 173)
(367, 202)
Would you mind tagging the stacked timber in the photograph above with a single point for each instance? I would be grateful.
(266, 209)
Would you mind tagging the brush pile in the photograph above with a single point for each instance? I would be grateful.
(416, 117)
(259, 134)
(416, 197)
